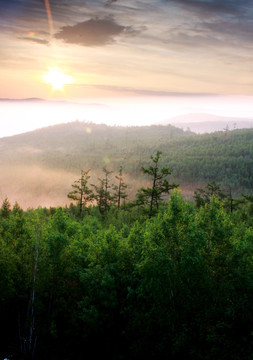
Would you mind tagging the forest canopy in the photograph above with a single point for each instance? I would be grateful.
(120, 284)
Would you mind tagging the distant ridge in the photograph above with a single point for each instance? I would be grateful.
(26, 99)
(52, 101)
(208, 123)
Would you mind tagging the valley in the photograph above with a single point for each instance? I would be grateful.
(38, 167)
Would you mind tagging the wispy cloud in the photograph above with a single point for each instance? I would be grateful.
(110, 2)
(35, 40)
(142, 92)
(203, 45)
(232, 30)
(211, 7)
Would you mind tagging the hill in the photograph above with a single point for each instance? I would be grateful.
(73, 145)
(39, 167)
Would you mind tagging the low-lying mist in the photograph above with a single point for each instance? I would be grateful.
(34, 186)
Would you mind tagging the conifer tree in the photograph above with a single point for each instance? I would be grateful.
(81, 193)
(103, 195)
(6, 208)
(17, 209)
(203, 196)
(120, 188)
(152, 196)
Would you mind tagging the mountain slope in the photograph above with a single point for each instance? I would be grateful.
(83, 143)
(39, 167)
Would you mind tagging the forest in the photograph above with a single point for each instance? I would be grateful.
(225, 157)
(156, 277)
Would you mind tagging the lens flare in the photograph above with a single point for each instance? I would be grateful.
(50, 18)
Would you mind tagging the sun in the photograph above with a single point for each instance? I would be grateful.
(57, 78)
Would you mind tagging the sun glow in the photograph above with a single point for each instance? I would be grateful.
(57, 78)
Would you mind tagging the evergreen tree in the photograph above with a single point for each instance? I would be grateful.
(203, 196)
(160, 185)
(120, 188)
(17, 209)
(6, 208)
(81, 193)
(103, 195)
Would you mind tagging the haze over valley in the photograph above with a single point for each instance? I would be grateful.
(39, 167)
(19, 116)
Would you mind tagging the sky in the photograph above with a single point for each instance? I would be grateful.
(168, 57)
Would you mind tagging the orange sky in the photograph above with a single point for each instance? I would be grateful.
(192, 55)
(112, 48)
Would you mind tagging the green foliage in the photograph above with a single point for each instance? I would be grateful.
(5, 209)
(176, 285)
(152, 196)
(82, 193)
(203, 196)
(102, 194)
(120, 189)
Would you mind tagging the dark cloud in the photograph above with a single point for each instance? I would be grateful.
(92, 32)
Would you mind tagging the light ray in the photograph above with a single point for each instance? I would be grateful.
(50, 18)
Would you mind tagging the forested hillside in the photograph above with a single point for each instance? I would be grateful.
(73, 145)
(226, 157)
(52, 157)
(121, 285)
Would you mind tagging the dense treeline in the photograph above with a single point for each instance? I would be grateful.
(122, 285)
(225, 157)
